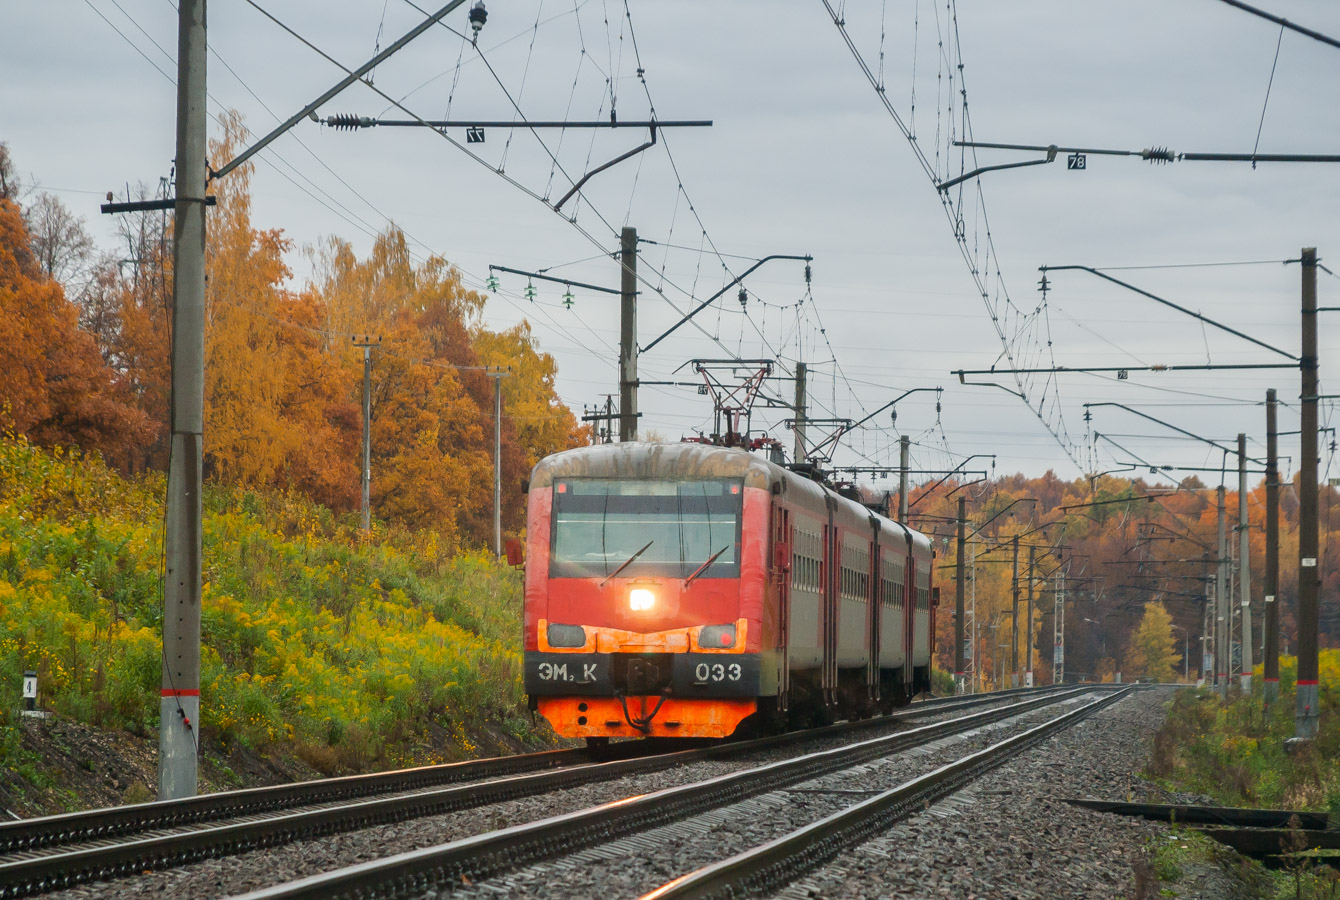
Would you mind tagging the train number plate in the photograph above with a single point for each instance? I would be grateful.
(573, 673)
(709, 673)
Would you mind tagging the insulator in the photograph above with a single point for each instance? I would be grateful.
(478, 16)
(807, 273)
(744, 298)
(1159, 155)
(350, 122)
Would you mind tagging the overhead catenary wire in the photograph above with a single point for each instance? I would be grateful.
(953, 212)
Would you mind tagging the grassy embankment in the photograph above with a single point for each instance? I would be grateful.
(1235, 754)
(346, 653)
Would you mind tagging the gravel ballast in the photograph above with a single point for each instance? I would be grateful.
(631, 866)
(256, 869)
(1010, 834)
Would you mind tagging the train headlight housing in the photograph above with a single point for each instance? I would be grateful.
(717, 636)
(566, 636)
(641, 599)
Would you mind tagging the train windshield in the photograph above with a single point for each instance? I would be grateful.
(668, 529)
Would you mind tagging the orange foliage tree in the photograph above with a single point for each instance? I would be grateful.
(54, 385)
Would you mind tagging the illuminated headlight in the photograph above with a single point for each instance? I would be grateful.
(717, 636)
(640, 599)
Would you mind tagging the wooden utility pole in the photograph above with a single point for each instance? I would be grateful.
(1270, 624)
(1244, 566)
(1309, 581)
(628, 336)
(179, 706)
(959, 669)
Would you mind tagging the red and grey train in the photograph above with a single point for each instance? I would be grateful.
(677, 590)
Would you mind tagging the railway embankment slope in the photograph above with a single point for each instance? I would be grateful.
(326, 652)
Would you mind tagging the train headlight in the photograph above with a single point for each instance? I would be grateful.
(641, 599)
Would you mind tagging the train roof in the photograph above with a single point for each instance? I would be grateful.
(689, 459)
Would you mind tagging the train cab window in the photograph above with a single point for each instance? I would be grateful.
(666, 528)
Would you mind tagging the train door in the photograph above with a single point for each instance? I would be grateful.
(832, 573)
(781, 562)
(875, 597)
(909, 616)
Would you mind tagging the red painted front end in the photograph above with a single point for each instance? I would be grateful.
(616, 633)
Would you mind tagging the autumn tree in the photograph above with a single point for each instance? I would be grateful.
(54, 385)
(10, 186)
(1151, 651)
(61, 244)
(432, 401)
(543, 424)
(135, 332)
(277, 410)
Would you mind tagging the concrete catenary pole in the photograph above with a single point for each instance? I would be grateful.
(1028, 620)
(365, 476)
(904, 445)
(1209, 627)
(972, 605)
(801, 371)
(959, 655)
(628, 337)
(1058, 639)
(1309, 582)
(1270, 624)
(1223, 620)
(497, 461)
(1014, 618)
(179, 707)
(1244, 566)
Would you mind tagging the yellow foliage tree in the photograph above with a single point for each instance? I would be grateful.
(274, 405)
(1152, 652)
(543, 425)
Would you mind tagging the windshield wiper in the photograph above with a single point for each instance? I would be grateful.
(703, 568)
(628, 562)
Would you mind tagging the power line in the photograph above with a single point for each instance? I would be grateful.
(953, 213)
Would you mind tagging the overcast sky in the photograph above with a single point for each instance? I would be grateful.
(802, 158)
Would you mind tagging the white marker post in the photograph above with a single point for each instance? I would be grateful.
(30, 693)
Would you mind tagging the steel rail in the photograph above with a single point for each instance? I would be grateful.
(766, 868)
(483, 855)
(100, 824)
(27, 875)
(68, 828)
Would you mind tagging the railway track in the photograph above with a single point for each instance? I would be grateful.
(768, 867)
(490, 854)
(64, 851)
(92, 825)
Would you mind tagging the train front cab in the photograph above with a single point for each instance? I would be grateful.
(645, 583)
